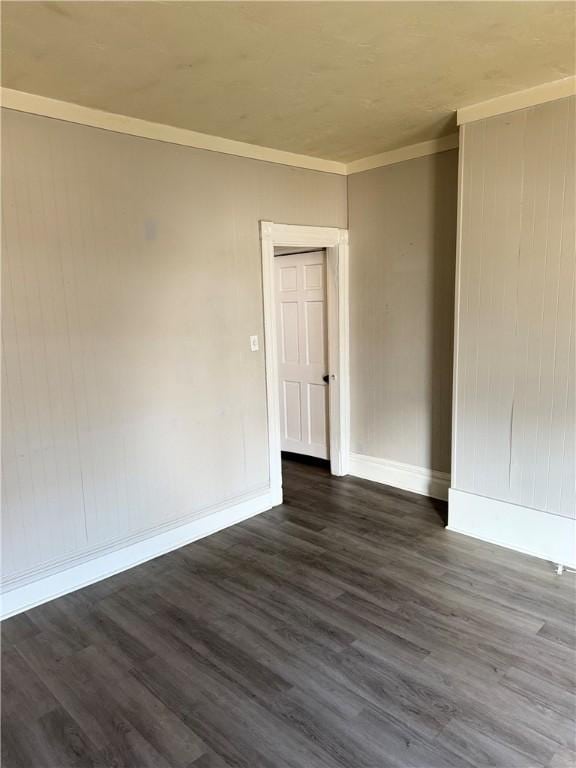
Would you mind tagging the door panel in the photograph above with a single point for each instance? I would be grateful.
(292, 421)
(317, 431)
(289, 332)
(314, 332)
(288, 278)
(300, 282)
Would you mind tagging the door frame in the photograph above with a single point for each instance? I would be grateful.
(335, 241)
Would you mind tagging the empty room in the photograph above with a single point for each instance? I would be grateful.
(288, 384)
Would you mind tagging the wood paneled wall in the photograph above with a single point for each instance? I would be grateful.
(131, 284)
(402, 264)
(514, 394)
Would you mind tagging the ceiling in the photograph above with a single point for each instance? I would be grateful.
(336, 80)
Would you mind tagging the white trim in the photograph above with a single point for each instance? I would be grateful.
(523, 529)
(340, 411)
(336, 243)
(427, 482)
(403, 153)
(457, 292)
(109, 121)
(529, 97)
(21, 597)
(133, 126)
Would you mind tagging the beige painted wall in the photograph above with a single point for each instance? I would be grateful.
(131, 284)
(514, 409)
(402, 221)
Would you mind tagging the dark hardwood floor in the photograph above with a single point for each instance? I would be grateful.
(344, 628)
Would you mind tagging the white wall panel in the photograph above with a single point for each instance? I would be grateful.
(514, 430)
(403, 257)
(131, 285)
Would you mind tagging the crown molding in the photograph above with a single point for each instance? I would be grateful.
(529, 97)
(133, 126)
(403, 153)
(109, 121)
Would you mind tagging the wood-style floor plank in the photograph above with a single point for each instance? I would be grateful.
(344, 629)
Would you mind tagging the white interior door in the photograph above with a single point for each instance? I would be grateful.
(300, 282)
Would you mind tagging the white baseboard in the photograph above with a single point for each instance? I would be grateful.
(20, 597)
(526, 530)
(427, 482)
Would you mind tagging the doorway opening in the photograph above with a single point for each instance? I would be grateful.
(305, 282)
(302, 343)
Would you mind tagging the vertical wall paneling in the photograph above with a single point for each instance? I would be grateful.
(514, 410)
(131, 285)
(403, 244)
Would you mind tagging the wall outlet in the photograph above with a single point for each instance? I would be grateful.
(254, 343)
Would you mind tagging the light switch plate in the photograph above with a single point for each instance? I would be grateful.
(254, 343)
